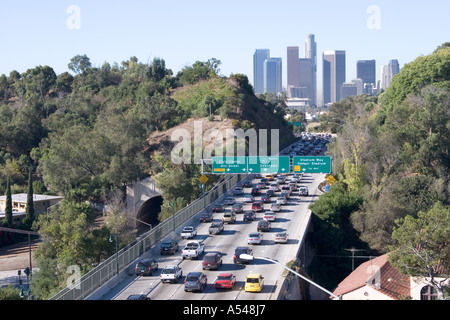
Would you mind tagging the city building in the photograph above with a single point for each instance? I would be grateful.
(366, 71)
(273, 75)
(388, 72)
(348, 89)
(259, 57)
(19, 204)
(302, 72)
(333, 75)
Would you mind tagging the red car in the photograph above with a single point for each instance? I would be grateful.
(257, 206)
(225, 281)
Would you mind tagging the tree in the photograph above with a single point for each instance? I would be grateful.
(79, 64)
(422, 246)
(8, 205)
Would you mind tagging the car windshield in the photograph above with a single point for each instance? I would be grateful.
(252, 280)
(254, 235)
(224, 277)
(168, 271)
(191, 278)
(209, 258)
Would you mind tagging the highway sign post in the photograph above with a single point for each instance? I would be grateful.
(268, 164)
(229, 164)
(312, 164)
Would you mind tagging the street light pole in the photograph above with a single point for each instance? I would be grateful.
(172, 204)
(250, 257)
(117, 251)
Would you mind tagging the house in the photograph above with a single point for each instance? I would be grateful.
(19, 204)
(377, 279)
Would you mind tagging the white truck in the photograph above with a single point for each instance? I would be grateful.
(171, 273)
(303, 191)
(193, 250)
(188, 232)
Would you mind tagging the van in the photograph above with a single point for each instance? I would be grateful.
(254, 282)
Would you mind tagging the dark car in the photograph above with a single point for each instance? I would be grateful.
(263, 225)
(146, 267)
(248, 216)
(265, 198)
(237, 208)
(212, 260)
(206, 217)
(195, 281)
(255, 191)
(241, 250)
(168, 247)
(247, 184)
(138, 297)
(270, 193)
(218, 207)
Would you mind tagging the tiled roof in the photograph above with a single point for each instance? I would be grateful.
(380, 275)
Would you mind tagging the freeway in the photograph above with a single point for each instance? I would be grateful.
(293, 218)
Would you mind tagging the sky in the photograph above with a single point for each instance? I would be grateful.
(181, 32)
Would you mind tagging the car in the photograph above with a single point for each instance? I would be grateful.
(281, 200)
(274, 186)
(195, 281)
(257, 206)
(242, 250)
(212, 260)
(219, 207)
(255, 191)
(206, 217)
(138, 297)
(229, 201)
(270, 193)
(229, 217)
(237, 208)
(265, 199)
(254, 238)
(263, 225)
(269, 177)
(238, 191)
(215, 228)
(247, 184)
(285, 194)
(303, 191)
(225, 281)
(293, 186)
(171, 273)
(269, 216)
(275, 207)
(281, 237)
(249, 216)
(254, 282)
(261, 185)
(146, 267)
(168, 247)
(286, 188)
(249, 198)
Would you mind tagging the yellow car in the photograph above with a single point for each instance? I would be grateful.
(254, 282)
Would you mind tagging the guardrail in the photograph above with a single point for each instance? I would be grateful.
(106, 270)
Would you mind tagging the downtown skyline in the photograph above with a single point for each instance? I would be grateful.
(46, 33)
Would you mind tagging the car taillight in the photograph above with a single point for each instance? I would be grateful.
(234, 256)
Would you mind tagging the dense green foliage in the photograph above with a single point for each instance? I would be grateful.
(392, 151)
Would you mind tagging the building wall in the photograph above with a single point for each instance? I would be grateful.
(365, 293)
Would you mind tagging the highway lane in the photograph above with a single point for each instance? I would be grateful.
(291, 219)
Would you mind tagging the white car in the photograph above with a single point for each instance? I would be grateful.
(269, 216)
(254, 238)
(249, 198)
(274, 186)
(275, 207)
(281, 237)
(229, 201)
(238, 191)
(281, 200)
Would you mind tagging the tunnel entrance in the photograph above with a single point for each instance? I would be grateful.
(148, 213)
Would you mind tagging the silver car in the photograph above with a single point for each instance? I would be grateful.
(254, 238)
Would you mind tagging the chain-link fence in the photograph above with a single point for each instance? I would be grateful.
(109, 268)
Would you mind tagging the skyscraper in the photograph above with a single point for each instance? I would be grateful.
(259, 57)
(333, 75)
(366, 70)
(293, 69)
(311, 53)
(273, 75)
(387, 72)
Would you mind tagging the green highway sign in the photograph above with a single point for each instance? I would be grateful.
(268, 164)
(229, 164)
(312, 164)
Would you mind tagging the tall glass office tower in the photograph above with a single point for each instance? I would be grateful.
(273, 75)
(333, 75)
(311, 53)
(259, 57)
